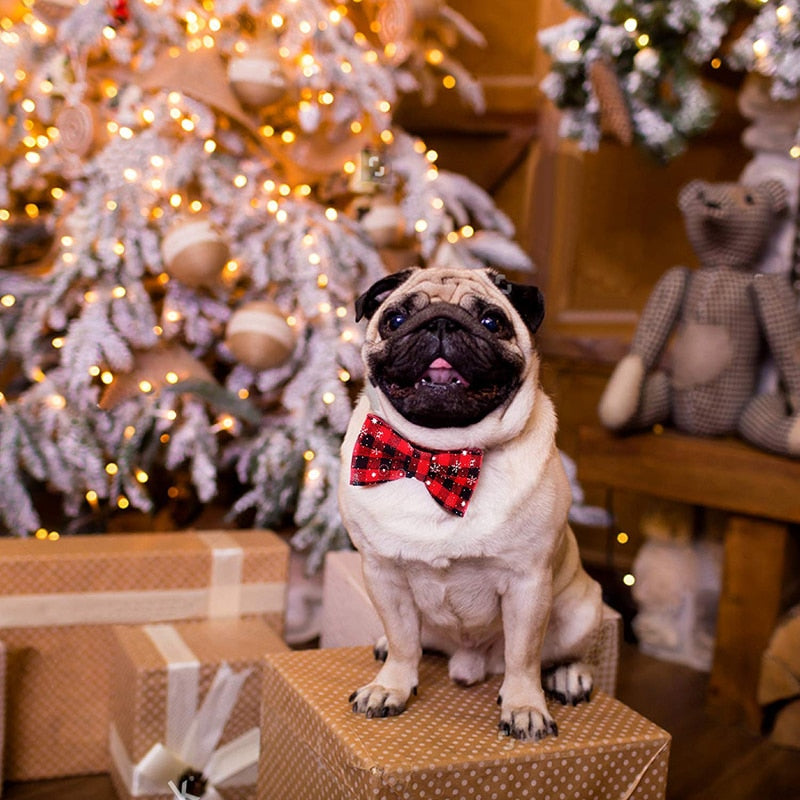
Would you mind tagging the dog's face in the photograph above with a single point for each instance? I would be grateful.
(447, 347)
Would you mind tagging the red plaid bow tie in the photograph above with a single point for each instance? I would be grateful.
(381, 455)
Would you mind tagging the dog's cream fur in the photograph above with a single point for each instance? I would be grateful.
(501, 589)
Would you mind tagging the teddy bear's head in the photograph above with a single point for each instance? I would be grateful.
(728, 224)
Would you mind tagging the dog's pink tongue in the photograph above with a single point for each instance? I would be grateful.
(441, 371)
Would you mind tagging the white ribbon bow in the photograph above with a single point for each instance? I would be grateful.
(190, 741)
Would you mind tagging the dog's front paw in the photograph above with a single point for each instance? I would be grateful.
(570, 684)
(523, 710)
(374, 700)
(527, 724)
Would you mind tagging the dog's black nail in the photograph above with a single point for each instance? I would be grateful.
(499, 699)
(505, 727)
(385, 711)
(552, 727)
(414, 691)
(352, 696)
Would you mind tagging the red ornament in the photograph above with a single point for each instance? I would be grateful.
(120, 11)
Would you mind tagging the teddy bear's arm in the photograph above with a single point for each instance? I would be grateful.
(779, 317)
(659, 316)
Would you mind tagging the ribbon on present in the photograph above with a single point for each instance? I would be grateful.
(224, 596)
(225, 587)
(191, 733)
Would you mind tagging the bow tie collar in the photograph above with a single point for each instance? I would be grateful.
(381, 454)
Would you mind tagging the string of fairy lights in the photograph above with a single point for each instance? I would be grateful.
(267, 195)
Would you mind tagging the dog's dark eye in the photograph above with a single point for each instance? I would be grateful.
(395, 320)
(492, 321)
(392, 319)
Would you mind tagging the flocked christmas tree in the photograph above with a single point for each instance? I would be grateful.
(220, 179)
(644, 70)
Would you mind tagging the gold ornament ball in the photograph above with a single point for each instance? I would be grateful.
(194, 252)
(258, 335)
(257, 79)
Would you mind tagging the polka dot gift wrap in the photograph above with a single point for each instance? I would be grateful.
(59, 600)
(446, 743)
(185, 698)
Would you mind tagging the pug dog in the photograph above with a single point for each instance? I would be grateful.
(454, 493)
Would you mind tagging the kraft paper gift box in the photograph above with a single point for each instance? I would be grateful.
(185, 698)
(348, 618)
(59, 599)
(444, 745)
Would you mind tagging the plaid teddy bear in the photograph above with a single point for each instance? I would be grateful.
(720, 319)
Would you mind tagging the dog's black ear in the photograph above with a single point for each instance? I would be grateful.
(527, 300)
(367, 304)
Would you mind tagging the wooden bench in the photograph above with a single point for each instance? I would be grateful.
(760, 493)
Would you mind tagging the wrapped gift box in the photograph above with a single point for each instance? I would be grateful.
(445, 745)
(349, 619)
(185, 698)
(58, 601)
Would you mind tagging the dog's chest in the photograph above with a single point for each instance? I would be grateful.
(461, 596)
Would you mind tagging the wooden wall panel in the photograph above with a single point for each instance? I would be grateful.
(606, 227)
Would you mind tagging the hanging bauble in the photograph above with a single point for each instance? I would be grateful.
(257, 77)
(194, 252)
(384, 223)
(259, 336)
(119, 11)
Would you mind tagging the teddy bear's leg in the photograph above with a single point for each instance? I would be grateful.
(633, 400)
(655, 402)
(767, 424)
(780, 321)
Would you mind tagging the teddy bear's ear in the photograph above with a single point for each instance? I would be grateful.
(777, 193)
(689, 193)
